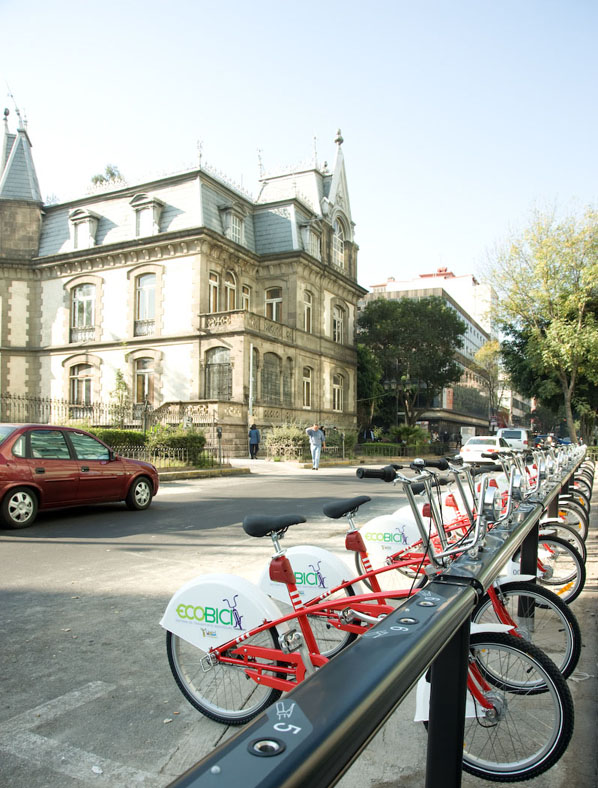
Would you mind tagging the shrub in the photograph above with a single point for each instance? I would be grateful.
(334, 437)
(119, 437)
(178, 438)
(288, 441)
(412, 436)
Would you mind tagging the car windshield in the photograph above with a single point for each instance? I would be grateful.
(511, 434)
(481, 442)
(5, 431)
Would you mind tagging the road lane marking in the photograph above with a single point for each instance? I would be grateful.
(17, 738)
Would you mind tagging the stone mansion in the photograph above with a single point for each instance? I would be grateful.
(241, 309)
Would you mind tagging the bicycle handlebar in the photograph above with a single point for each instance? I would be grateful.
(441, 464)
(387, 474)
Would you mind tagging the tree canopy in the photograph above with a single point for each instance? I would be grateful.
(547, 279)
(415, 343)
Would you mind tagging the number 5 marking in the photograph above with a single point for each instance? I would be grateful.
(284, 727)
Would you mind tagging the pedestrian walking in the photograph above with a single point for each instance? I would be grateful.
(317, 442)
(254, 441)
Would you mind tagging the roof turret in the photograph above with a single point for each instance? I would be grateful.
(18, 180)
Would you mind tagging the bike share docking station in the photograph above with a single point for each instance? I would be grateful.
(312, 735)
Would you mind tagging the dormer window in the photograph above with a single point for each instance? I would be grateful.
(147, 214)
(233, 222)
(312, 239)
(84, 225)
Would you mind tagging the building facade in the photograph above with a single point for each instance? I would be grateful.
(186, 290)
(463, 409)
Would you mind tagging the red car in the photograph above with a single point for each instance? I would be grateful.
(44, 467)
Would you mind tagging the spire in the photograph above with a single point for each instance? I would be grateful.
(18, 180)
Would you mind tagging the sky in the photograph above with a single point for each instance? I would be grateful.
(459, 117)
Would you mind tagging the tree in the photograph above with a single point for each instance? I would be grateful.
(546, 279)
(415, 343)
(121, 397)
(487, 366)
(369, 385)
(111, 174)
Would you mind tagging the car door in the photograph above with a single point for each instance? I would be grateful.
(102, 476)
(53, 468)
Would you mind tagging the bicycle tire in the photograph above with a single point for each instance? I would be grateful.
(523, 734)
(581, 494)
(564, 571)
(553, 626)
(331, 641)
(557, 527)
(400, 578)
(573, 515)
(222, 692)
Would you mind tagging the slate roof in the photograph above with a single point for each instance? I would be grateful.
(18, 180)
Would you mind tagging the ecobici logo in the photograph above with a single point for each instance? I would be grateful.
(206, 614)
(313, 578)
(397, 536)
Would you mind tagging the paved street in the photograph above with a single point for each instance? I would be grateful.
(85, 681)
(87, 694)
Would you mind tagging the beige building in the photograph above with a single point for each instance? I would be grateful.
(214, 307)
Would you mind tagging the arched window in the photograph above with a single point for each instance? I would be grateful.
(338, 383)
(274, 304)
(230, 292)
(338, 324)
(271, 375)
(144, 380)
(80, 377)
(307, 387)
(287, 384)
(218, 374)
(83, 313)
(338, 245)
(307, 309)
(145, 305)
(214, 291)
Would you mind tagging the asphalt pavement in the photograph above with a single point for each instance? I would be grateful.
(87, 694)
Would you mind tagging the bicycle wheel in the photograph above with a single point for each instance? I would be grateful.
(331, 640)
(560, 567)
(523, 733)
(573, 515)
(404, 577)
(581, 494)
(222, 692)
(541, 617)
(556, 527)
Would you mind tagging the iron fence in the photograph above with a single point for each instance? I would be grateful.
(23, 409)
(173, 457)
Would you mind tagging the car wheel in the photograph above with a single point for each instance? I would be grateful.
(140, 494)
(19, 508)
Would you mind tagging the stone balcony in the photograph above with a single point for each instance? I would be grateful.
(240, 321)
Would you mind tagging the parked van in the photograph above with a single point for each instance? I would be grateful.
(516, 438)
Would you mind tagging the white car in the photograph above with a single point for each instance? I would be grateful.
(516, 437)
(474, 448)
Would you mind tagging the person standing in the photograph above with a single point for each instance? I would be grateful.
(254, 441)
(317, 442)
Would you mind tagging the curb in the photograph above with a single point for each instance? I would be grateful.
(167, 476)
